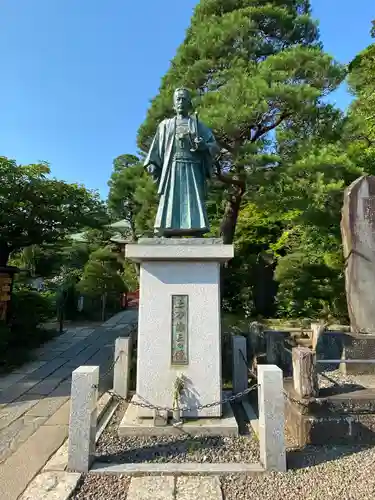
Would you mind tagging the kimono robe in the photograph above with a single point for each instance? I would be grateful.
(182, 176)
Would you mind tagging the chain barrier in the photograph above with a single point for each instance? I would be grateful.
(253, 374)
(145, 404)
(151, 406)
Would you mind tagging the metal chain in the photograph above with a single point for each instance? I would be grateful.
(253, 374)
(150, 406)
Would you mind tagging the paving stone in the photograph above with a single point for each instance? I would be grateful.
(46, 407)
(17, 433)
(28, 368)
(81, 358)
(61, 416)
(207, 488)
(46, 370)
(16, 409)
(151, 488)
(52, 486)
(58, 461)
(11, 379)
(20, 468)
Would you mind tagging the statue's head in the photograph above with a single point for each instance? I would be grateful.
(182, 101)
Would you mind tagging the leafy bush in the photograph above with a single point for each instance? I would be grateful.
(31, 309)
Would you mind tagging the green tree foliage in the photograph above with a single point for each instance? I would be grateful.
(36, 209)
(132, 195)
(101, 275)
(256, 65)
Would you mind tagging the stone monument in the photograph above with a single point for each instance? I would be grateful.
(358, 236)
(179, 335)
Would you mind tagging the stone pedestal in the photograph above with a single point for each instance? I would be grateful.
(179, 321)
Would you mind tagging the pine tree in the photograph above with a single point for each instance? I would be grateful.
(254, 65)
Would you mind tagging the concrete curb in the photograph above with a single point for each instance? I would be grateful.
(180, 469)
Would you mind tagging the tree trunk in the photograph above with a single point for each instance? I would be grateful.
(4, 253)
(229, 222)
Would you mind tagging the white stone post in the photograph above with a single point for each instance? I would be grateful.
(83, 417)
(121, 373)
(240, 371)
(271, 418)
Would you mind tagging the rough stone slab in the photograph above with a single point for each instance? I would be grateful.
(17, 433)
(131, 425)
(207, 488)
(357, 230)
(176, 469)
(20, 468)
(52, 486)
(151, 488)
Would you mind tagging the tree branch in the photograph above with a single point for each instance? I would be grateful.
(264, 130)
(228, 179)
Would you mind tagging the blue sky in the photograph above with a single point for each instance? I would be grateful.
(77, 75)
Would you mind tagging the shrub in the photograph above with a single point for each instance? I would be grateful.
(31, 308)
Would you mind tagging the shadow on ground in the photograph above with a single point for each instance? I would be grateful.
(310, 456)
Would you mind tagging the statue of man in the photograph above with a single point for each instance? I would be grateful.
(180, 161)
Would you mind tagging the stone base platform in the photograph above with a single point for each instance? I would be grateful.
(339, 418)
(226, 426)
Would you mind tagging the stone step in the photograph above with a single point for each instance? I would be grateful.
(174, 488)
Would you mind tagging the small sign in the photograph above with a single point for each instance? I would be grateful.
(180, 323)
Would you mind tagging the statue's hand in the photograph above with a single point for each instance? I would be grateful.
(199, 143)
(154, 171)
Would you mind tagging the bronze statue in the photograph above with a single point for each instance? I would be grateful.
(180, 161)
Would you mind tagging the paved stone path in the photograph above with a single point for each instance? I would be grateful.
(174, 488)
(34, 399)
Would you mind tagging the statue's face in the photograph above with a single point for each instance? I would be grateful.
(182, 103)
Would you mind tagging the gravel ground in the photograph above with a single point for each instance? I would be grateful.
(335, 377)
(100, 487)
(182, 448)
(341, 473)
(315, 473)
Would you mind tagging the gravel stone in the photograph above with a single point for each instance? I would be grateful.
(178, 449)
(333, 378)
(101, 487)
(334, 473)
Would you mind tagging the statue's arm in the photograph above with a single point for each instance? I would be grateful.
(208, 142)
(212, 145)
(153, 162)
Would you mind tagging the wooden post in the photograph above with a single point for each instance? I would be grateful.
(305, 378)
